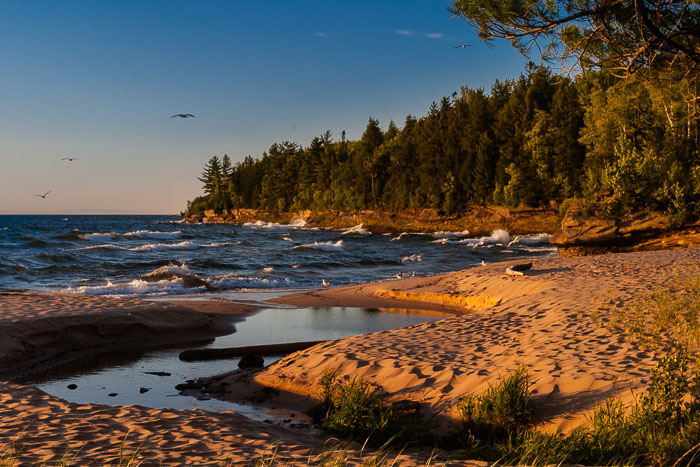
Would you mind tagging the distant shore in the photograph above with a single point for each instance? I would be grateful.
(544, 320)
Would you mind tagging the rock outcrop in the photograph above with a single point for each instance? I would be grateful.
(642, 230)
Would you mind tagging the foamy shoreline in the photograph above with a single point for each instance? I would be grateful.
(542, 320)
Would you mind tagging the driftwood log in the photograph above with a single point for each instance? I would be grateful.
(194, 355)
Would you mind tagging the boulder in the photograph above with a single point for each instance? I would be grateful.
(251, 361)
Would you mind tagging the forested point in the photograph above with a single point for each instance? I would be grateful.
(625, 144)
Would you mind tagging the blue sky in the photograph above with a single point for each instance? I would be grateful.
(98, 80)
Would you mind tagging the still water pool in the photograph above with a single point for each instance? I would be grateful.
(149, 378)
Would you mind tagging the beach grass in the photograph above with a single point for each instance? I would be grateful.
(356, 410)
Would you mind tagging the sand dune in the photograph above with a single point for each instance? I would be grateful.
(544, 320)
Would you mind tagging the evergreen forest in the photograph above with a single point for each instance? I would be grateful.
(525, 142)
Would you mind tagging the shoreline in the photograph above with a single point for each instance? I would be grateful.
(542, 320)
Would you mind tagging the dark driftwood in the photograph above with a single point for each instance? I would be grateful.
(232, 352)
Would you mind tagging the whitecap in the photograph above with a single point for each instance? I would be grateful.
(298, 222)
(218, 244)
(358, 230)
(325, 246)
(418, 257)
(186, 245)
(497, 237)
(235, 281)
(154, 234)
(263, 225)
(448, 234)
(135, 287)
(105, 246)
(531, 240)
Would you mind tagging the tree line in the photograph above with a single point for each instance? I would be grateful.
(526, 141)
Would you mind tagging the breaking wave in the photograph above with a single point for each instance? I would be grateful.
(154, 235)
(357, 230)
(325, 246)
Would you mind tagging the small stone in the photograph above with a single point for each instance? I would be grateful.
(112, 394)
(72, 386)
(143, 390)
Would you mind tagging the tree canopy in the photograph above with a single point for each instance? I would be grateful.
(528, 141)
(620, 36)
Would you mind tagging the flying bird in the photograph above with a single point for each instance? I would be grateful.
(463, 46)
(69, 159)
(182, 116)
(44, 195)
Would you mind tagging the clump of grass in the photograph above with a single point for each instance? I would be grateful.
(502, 408)
(666, 318)
(357, 411)
(661, 427)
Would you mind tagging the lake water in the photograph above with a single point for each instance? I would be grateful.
(157, 256)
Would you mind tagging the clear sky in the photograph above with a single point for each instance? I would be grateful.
(99, 80)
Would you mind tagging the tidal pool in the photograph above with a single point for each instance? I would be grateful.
(148, 378)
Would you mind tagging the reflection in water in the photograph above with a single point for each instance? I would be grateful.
(148, 378)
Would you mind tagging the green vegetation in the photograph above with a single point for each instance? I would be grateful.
(665, 319)
(502, 408)
(528, 141)
(355, 410)
(627, 124)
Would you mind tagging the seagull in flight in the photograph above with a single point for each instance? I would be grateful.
(182, 116)
(463, 46)
(44, 195)
(69, 159)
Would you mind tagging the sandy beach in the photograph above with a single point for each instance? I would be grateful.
(547, 320)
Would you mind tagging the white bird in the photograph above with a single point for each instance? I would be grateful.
(483, 263)
(463, 46)
(182, 116)
(69, 159)
(325, 282)
(44, 195)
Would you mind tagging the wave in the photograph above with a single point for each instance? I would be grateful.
(497, 237)
(185, 245)
(235, 281)
(449, 234)
(98, 236)
(298, 222)
(218, 244)
(406, 234)
(264, 225)
(154, 234)
(357, 230)
(135, 287)
(412, 258)
(172, 272)
(530, 240)
(325, 246)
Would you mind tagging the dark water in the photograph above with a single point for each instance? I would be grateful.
(118, 379)
(155, 256)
